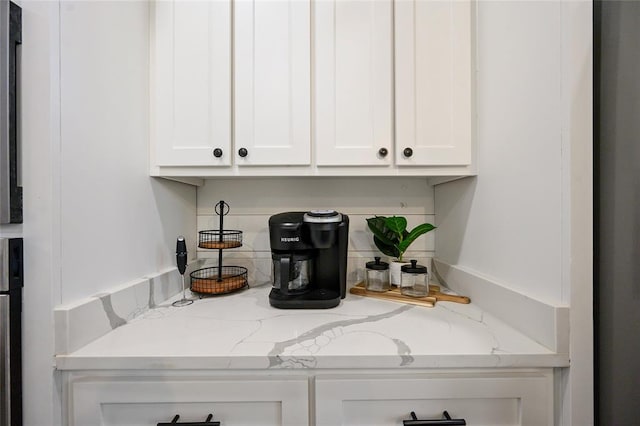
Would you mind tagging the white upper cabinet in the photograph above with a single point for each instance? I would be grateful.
(272, 82)
(433, 82)
(312, 88)
(353, 82)
(191, 84)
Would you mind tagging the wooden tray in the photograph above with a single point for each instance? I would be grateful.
(227, 284)
(435, 295)
(205, 280)
(219, 244)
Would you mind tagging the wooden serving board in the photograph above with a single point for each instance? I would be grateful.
(394, 295)
(434, 290)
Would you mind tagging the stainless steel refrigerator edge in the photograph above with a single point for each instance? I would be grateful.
(617, 212)
(11, 281)
(5, 341)
(11, 268)
(10, 188)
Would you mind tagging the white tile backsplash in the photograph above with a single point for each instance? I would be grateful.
(259, 268)
(253, 200)
(255, 232)
(351, 195)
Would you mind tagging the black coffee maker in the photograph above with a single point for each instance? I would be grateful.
(309, 257)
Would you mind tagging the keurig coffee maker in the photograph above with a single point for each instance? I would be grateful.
(309, 257)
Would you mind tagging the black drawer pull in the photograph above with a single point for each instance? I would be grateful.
(447, 421)
(207, 422)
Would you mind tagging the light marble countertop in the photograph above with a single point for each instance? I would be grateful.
(241, 331)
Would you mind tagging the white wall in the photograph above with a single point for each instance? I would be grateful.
(253, 200)
(93, 217)
(507, 223)
(526, 221)
(40, 162)
(117, 223)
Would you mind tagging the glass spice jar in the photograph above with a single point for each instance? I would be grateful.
(414, 280)
(377, 276)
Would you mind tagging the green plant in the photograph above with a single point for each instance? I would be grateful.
(390, 234)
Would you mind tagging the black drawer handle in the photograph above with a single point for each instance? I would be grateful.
(408, 152)
(217, 153)
(207, 422)
(242, 152)
(383, 152)
(446, 421)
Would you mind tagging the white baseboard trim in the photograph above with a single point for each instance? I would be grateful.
(545, 323)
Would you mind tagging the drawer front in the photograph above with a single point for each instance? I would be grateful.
(488, 400)
(146, 402)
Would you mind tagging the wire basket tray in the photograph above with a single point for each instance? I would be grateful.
(219, 280)
(217, 239)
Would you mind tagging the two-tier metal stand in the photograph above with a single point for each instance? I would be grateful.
(219, 279)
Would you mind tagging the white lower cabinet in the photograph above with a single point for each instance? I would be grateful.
(481, 398)
(145, 401)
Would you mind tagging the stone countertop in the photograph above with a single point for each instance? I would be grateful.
(241, 331)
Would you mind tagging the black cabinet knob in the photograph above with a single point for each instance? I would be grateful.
(217, 153)
(383, 152)
(408, 152)
(242, 152)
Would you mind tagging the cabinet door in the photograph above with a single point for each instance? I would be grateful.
(353, 82)
(500, 399)
(191, 83)
(272, 82)
(146, 401)
(433, 77)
